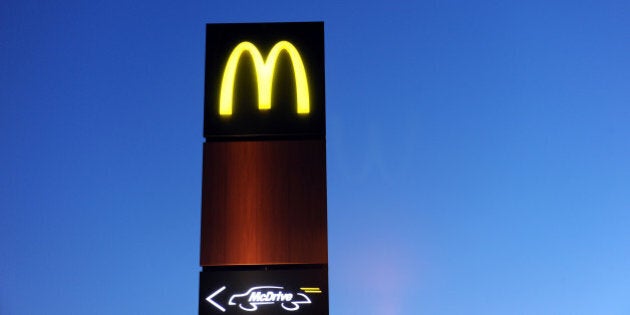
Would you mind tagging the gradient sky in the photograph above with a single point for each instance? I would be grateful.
(478, 154)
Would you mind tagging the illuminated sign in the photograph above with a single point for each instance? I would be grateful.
(264, 292)
(264, 80)
(264, 76)
(263, 248)
(265, 295)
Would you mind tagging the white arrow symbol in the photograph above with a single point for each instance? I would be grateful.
(209, 299)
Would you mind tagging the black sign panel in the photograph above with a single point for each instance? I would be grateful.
(264, 80)
(229, 291)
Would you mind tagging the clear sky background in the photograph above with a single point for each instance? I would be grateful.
(478, 154)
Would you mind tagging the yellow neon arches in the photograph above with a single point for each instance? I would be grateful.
(264, 76)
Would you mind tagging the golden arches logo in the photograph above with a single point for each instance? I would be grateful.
(264, 76)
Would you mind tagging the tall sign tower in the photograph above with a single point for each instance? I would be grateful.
(264, 219)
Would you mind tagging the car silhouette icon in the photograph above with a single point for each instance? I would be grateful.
(266, 295)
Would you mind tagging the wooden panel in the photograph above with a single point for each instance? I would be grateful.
(264, 202)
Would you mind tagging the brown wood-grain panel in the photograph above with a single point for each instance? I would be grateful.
(264, 203)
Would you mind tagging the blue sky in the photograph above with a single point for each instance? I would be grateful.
(478, 154)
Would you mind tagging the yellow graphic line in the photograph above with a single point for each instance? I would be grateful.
(311, 290)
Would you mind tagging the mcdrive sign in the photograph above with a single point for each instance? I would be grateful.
(284, 291)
